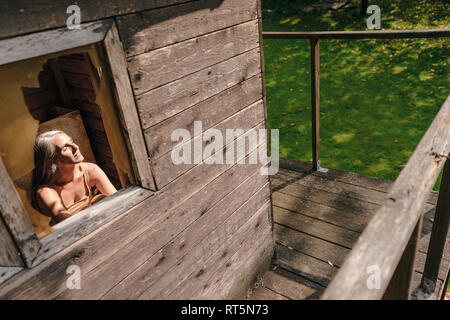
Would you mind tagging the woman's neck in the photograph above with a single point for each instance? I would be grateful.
(65, 173)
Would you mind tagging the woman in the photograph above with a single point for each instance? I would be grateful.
(62, 182)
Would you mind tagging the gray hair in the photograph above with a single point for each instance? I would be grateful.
(45, 158)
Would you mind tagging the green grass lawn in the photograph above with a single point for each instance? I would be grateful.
(377, 97)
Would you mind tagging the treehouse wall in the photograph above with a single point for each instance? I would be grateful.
(207, 231)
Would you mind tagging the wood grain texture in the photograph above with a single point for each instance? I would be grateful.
(127, 111)
(166, 101)
(35, 45)
(161, 66)
(224, 104)
(8, 272)
(9, 254)
(22, 16)
(149, 30)
(398, 216)
(16, 218)
(249, 118)
(262, 293)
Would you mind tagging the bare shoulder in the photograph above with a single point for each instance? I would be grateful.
(92, 168)
(47, 197)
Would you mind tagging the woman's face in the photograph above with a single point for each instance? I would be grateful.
(68, 151)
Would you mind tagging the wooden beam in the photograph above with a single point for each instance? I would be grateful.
(42, 43)
(131, 126)
(384, 240)
(16, 218)
(438, 234)
(315, 102)
(399, 287)
(61, 83)
(382, 34)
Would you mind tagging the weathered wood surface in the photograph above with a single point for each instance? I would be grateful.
(225, 104)
(168, 244)
(16, 218)
(149, 30)
(250, 118)
(83, 223)
(381, 34)
(9, 254)
(398, 216)
(128, 115)
(165, 101)
(240, 233)
(161, 66)
(439, 232)
(22, 16)
(8, 272)
(262, 293)
(305, 229)
(35, 45)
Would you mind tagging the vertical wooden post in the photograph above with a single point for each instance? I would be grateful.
(364, 5)
(315, 102)
(399, 287)
(438, 234)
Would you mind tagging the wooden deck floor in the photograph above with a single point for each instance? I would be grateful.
(318, 217)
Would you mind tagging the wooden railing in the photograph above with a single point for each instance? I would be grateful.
(385, 251)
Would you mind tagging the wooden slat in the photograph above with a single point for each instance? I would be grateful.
(8, 272)
(439, 232)
(382, 34)
(60, 81)
(291, 285)
(199, 281)
(22, 16)
(248, 119)
(262, 293)
(131, 127)
(153, 29)
(161, 247)
(304, 265)
(225, 104)
(313, 227)
(9, 254)
(161, 66)
(16, 218)
(163, 102)
(396, 218)
(312, 246)
(345, 219)
(35, 45)
(299, 169)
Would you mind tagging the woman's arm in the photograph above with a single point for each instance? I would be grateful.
(98, 178)
(51, 205)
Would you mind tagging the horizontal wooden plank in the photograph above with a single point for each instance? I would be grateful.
(312, 246)
(224, 104)
(305, 266)
(171, 239)
(161, 66)
(344, 176)
(35, 45)
(230, 276)
(148, 30)
(199, 278)
(314, 227)
(381, 34)
(250, 118)
(393, 225)
(163, 102)
(262, 293)
(22, 16)
(345, 219)
(292, 286)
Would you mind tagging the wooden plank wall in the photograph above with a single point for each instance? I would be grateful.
(207, 231)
